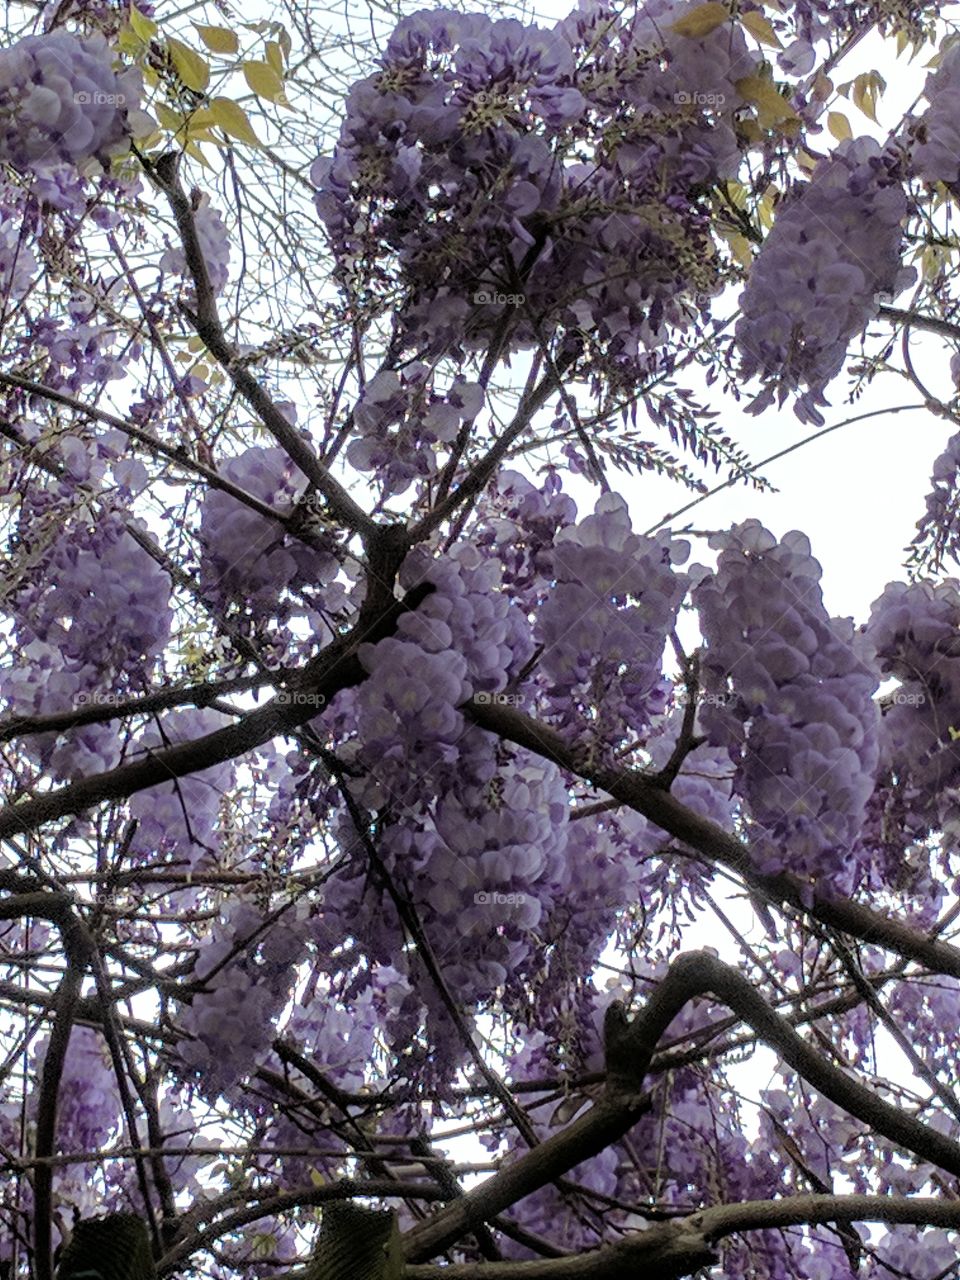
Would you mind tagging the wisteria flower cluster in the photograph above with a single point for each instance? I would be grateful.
(401, 420)
(248, 558)
(62, 105)
(832, 257)
(463, 161)
(246, 974)
(791, 697)
(214, 242)
(181, 819)
(935, 153)
(913, 635)
(604, 625)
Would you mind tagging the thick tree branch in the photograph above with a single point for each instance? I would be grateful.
(79, 948)
(639, 792)
(700, 973)
(104, 708)
(671, 1250)
(605, 1122)
(310, 689)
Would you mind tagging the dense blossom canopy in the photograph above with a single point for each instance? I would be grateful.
(367, 757)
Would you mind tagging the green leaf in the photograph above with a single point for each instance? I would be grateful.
(218, 39)
(141, 25)
(865, 95)
(275, 57)
(264, 82)
(839, 125)
(233, 120)
(116, 1247)
(760, 28)
(772, 107)
(357, 1244)
(169, 118)
(192, 69)
(702, 20)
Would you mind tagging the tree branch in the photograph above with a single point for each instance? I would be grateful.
(639, 792)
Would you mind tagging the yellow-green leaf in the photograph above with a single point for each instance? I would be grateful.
(739, 247)
(141, 25)
(233, 120)
(275, 57)
(772, 108)
(169, 118)
(864, 96)
(193, 149)
(738, 194)
(286, 44)
(702, 20)
(839, 125)
(218, 39)
(760, 28)
(192, 69)
(264, 81)
(766, 206)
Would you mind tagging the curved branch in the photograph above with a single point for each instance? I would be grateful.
(630, 1048)
(699, 973)
(207, 324)
(79, 948)
(670, 1250)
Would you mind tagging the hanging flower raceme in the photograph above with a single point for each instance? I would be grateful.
(247, 973)
(913, 630)
(63, 106)
(831, 258)
(214, 242)
(935, 151)
(605, 622)
(461, 161)
(791, 697)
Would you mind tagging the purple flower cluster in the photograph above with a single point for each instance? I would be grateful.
(938, 530)
(400, 420)
(463, 639)
(247, 557)
(604, 624)
(524, 179)
(518, 530)
(181, 818)
(102, 599)
(832, 256)
(62, 105)
(17, 261)
(214, 245)
(935, 154)
(247, 974)
(93, 613)
(913, 631)
(789, 695)
(342, 1038)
